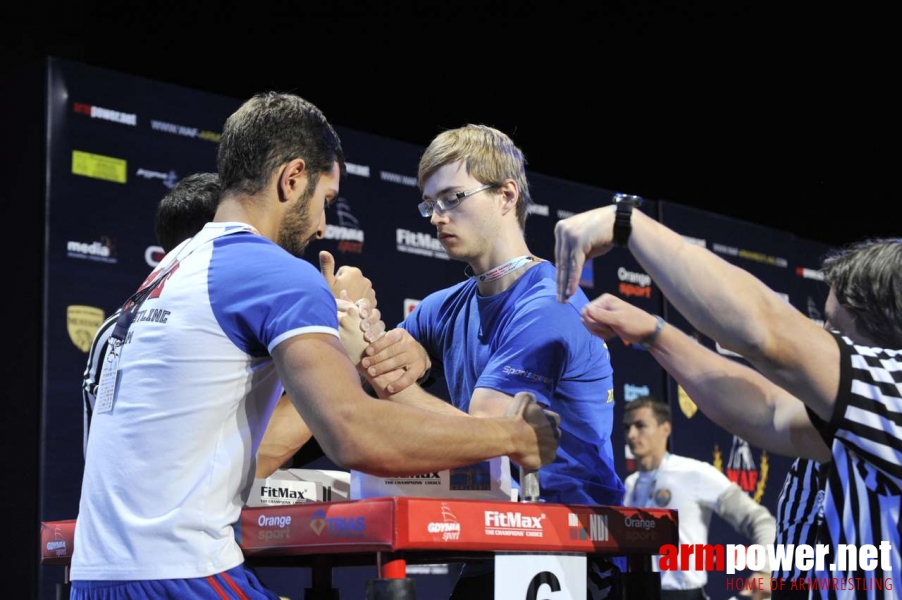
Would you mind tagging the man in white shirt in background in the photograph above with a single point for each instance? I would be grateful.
(692, 487)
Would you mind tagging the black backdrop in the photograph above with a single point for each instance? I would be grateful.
(113, 146)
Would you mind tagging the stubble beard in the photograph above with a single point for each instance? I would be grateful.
(292, 228)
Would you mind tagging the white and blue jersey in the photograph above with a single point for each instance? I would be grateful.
(523, 339)
(169, 466)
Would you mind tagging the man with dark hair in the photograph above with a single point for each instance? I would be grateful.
(660, 410)
(692, 487)
(840, 384)
(181, 213)
(199, 361)
(185, 210)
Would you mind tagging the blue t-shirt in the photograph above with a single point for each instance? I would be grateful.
(523, 339)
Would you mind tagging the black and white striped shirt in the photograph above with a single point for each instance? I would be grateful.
(91, 378)
(864, 484)
(799, 514)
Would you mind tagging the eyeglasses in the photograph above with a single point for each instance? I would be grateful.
(450, 201)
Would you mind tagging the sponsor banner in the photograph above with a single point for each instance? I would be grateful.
(82, 322)
(384, 524)
(306, 528)
(741, 468)
(687, 406)
(153, 255)
(815, 274)
(185, 131)
(348, 234)
(168, 179)
(390, 177)
(541, 210)
(633, 284)
(358, 170)
(296, 486)
(632, 391)
(423, 244)
(57, 542)
(733, 558)
(103, 250)
(487, 480)
(752, 255)
(105, 114)
(695, 241)
(98, 166)
(535, 526)
(409, 305)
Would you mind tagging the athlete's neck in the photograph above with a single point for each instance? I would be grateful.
(506, 247)
(248, 209)
(650, 462)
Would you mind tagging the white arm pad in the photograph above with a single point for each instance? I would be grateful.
(747, 517)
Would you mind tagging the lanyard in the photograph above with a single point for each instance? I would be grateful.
(131, 306)
(501, 270)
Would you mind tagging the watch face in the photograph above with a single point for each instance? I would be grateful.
(627, 199)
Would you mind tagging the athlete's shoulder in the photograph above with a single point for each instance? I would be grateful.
(246, 255)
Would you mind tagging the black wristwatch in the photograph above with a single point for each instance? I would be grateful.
(622, 215)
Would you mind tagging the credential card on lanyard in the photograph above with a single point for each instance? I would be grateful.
(109, 377)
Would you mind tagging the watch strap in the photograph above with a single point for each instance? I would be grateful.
(623, 215)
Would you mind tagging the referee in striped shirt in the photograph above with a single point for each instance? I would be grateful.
(743, 402)
(822, 388)
(799, 515)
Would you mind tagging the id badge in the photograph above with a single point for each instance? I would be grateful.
(109, 377)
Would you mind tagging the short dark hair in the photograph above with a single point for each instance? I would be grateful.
(270, 130)
(660, 409)
(866, 278)
(185, 210)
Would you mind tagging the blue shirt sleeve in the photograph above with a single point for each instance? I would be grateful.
(420, 324)
(262, 295)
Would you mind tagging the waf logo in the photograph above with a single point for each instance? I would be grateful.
(448, 527)
(741, 468)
